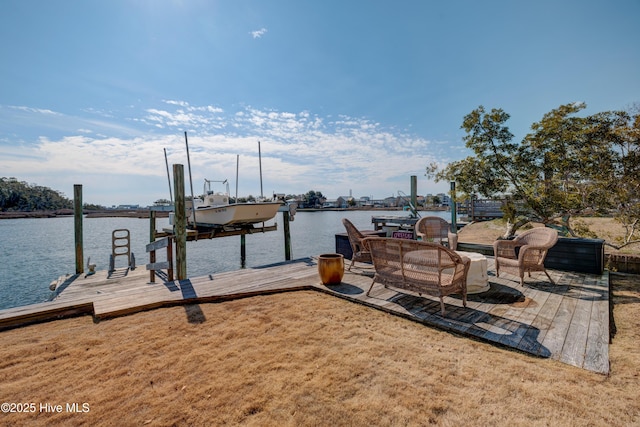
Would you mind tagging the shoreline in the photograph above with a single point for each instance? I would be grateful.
(36, 214)
(369, 208)
(144, 213)
(63, 213)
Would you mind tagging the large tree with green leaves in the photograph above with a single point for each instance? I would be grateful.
(567, 166)
(626, 191)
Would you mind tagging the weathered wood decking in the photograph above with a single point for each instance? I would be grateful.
(568, 321)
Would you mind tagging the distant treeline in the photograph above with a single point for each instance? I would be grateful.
(20, 196)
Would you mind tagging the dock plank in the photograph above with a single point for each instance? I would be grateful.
(42, 312)
(573, 349)
(559, 327)
(597, 351)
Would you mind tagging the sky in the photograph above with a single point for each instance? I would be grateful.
(342, 97)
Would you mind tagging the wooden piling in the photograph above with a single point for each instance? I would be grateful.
(180, 224)
(243, 251)
(170, 260)
(77, 210)
(152, 238)
(454, 215)
(287, 234)
(414, 195)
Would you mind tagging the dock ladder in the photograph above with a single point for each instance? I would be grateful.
(121, 246)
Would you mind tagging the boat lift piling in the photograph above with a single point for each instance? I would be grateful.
(180, 222)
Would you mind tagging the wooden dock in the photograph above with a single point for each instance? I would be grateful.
(568, 322)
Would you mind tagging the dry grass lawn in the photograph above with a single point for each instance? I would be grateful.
(305, 358)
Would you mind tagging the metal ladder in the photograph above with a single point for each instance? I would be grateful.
(121, 246)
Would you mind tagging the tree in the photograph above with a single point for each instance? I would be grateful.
(314, 199)
(21, 196)
(92, 207)
(626, 191)
(565, 167)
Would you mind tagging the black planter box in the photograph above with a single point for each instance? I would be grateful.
(579, 255)
(568, 254)
(344, 247)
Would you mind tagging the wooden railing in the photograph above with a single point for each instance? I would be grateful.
(483, 209)
(153, 266)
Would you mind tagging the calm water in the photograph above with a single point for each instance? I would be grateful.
(34, 252)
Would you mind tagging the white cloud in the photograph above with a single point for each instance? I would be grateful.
(179, 103)
(300, 151)
(35, 110)
(258, 33)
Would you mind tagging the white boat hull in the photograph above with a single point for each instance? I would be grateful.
(235, 214)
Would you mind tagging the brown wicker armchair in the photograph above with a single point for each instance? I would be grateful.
(360, 250)
(436, 229)
(422, 267)
(525, 253)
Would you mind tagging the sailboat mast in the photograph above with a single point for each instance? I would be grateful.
(193, 201)
(237, 167)
(166, 162)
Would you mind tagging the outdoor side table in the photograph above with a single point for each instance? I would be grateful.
(477, 278)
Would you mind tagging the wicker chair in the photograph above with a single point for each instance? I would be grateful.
(421, 267)
(526, 253)
(360, 250)
(436, 229)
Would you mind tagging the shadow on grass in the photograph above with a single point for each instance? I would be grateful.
(194, 314)
(345, 289)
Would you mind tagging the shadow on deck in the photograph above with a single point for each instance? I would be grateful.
(568, 321)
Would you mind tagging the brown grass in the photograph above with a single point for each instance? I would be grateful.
(305, 358)
(486, 232)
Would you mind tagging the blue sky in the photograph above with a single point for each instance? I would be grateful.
(343, 95)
